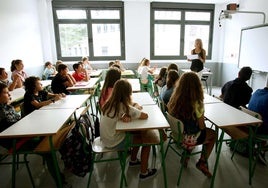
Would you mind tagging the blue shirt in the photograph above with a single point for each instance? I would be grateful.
(259, 103)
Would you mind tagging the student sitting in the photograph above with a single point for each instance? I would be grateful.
(119, 108)
(144, 70)
(80, 74)
(86, 64)
(237, 92)
(259, 103)
(17, 70)
(171, 66)
(159, 80)
(186, 104)
(35, 97)
(49, 72)
(167, 90)
(62, 80)
(8, 116)
(17, 83)
(113, 74)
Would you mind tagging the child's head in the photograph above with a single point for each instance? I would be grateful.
(172, 66)
(63, 69)
(48, 64)
(245, 73)
(172, 78)
(4, 94)
(58, 63)
(16, 65)
(111, 63)
(145, 62)
(187, 92)
(32, 84)
(3, 74)
(113, 74)
(162, 72)
(77, 67)
(85, 59)
(121, 95)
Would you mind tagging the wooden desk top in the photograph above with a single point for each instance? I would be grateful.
(143, 98)
(156, 120)
(127, 73)
(222, 115)
(38, 123)
(70, 101)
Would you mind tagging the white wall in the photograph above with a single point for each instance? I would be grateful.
(231, 31)
(20, 33)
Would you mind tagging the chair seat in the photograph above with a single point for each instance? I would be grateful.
(98, 147)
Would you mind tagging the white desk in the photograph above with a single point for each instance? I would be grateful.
(143, 98)
(95, 73)
(134, 82)
(70, 101)
(17, 95)
(85, 85)
(38, 123)
(204, 73)
(127, 74)
(209, 99)
(156, 120)
(45, 83)
(224, 115)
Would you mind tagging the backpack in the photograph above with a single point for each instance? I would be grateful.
(76, 149)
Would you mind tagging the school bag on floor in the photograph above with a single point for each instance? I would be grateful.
(76, 151)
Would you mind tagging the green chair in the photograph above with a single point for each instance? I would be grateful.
(175, 142)
(99, 150)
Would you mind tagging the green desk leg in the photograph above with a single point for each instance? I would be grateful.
(14, 164)
(250, 155)
(217, 159)
(55, 162)
(163, 157)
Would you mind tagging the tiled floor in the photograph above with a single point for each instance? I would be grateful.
(231, 173)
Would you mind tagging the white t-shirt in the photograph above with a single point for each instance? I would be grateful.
(109, 137)
(143, 71)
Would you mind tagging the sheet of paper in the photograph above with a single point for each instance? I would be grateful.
(195, 56)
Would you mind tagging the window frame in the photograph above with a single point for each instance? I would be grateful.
(183, 7)
(87, 6)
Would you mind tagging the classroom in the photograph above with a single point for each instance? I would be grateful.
(163, 31)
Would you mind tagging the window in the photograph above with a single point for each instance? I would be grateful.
(175, 26)
(93, 29)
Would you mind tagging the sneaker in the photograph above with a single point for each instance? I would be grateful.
(134, 163)
(203, 167)
(261, 158)
(150, 173)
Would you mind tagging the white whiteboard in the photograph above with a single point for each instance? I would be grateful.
(253, 49)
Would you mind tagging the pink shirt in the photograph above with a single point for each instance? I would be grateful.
(105, 96)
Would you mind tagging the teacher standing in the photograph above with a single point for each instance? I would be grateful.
(198, 64)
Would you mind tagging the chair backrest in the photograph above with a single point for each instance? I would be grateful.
(176, 126)
(250, 112)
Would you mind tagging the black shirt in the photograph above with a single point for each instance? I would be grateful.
(236, 93)
(29, 97)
